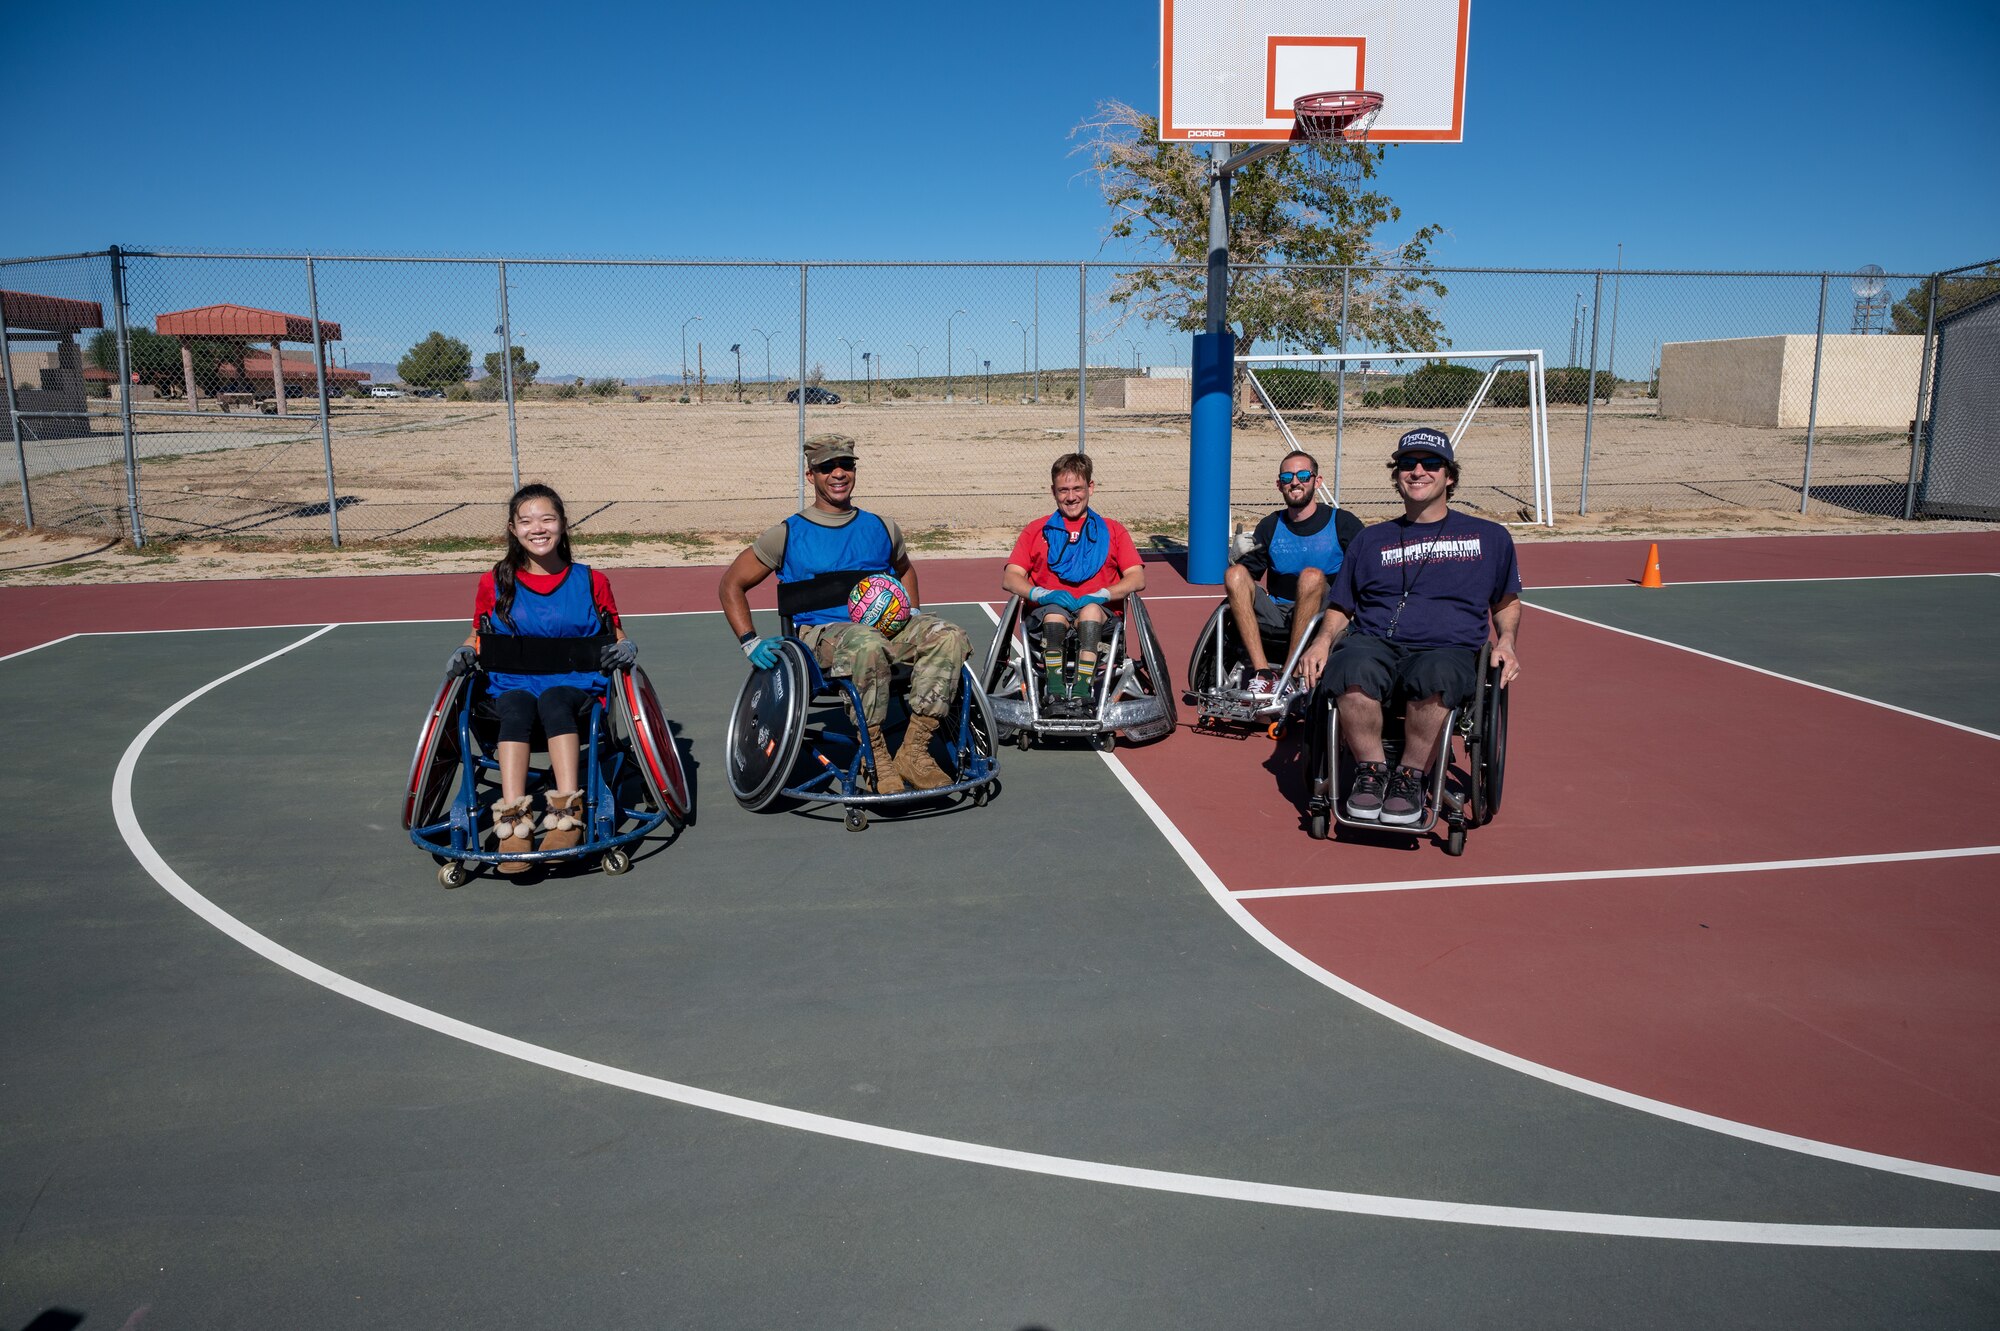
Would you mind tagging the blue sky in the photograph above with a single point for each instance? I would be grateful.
(900, 131)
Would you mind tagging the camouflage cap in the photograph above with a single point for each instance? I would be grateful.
(826, 447)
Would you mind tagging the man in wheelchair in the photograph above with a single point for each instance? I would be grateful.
(818, 555)
(1293, 551)
(1072, 567)
(1420, 592)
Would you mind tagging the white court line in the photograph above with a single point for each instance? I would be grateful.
(1154, 1180)
(38, 646)
(1232, 905)
(1596, 875)
(1731, 582)
(1745, 665)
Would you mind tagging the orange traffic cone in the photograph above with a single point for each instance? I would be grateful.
(1651, 577)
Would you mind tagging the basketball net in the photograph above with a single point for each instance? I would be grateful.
(1334, 127)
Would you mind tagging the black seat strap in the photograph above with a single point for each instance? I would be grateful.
(822, 592)
(516, 655)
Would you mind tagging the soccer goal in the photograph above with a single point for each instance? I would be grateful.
(1348, 408)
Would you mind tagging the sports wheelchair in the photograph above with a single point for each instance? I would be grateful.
(1219, 669)
(1467, 773)
(1134, 695)
(773, 732)
(630, 766)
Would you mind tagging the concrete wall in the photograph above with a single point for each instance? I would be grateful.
(1141, 394)
(1866, 381)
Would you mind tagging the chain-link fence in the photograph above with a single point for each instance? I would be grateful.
(252, 397)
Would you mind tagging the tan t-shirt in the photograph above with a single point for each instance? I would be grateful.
(769, 547)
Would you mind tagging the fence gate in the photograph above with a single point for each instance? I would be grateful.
(1962, 435)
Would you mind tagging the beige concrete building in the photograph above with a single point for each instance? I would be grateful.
(1141, 394)
(1868, 382)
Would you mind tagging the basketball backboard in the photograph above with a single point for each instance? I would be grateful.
(1229, 69)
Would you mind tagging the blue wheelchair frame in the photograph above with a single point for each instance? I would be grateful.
(457, 839)
(836, 761)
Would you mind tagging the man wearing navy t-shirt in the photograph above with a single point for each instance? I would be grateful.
(1420, 592)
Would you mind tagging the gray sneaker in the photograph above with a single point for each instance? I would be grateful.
(1404, 804)
(1364, 801)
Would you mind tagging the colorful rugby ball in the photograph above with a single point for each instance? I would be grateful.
(881, 603)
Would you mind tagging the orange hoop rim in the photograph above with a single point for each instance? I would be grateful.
(1322, 115)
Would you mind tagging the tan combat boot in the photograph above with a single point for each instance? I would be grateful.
(515, 826)
(888, 780)
(914, 759)
(562, 825)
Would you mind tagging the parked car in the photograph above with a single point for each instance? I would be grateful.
(383, 390)
(437, 393)
(815, 396)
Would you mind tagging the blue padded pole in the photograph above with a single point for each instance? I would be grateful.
(1214, 368)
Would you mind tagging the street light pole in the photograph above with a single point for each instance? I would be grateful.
(947, 352)
(868, 369)
(684, 351)
(767, 362)
(920, 356)
(1135, 356)
(737, 347)
(850, 361)
(986, 393)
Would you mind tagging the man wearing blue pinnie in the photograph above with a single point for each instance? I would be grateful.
(1075, 568)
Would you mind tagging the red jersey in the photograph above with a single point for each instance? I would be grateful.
(1031, 552)
(542, 584)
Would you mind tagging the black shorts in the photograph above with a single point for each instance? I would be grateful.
(1382, 669)
(1032, 617)
(1274, 617)
(559, 710)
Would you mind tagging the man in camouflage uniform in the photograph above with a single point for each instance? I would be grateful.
(833, 539)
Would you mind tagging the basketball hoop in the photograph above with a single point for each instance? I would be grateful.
(1334, 127)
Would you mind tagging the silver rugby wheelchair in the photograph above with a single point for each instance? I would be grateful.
(1219, 674)
(1133, 695)
(783, 743)
(1462, 787)
(629, 763)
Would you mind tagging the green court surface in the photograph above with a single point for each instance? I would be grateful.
(1931, 645)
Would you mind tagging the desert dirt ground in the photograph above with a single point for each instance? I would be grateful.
(421, 485)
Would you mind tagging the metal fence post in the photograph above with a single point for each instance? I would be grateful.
(1917, 426)
(1812, 406)
(1038, 337)
(507, 377)
(14, 419)
(325, 424)
(1082, 359)
(1590, 397)
(125, 394)
(1340, 388)
(804, 278)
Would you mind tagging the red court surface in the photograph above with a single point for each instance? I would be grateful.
(1857, 1005)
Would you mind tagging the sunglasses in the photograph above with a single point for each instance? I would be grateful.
(831, 465)
(1427, 462)
(1287, 477)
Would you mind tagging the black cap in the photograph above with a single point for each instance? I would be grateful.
(1423, 439)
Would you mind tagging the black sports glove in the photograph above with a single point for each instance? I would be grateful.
(462, 662)
(620, 655)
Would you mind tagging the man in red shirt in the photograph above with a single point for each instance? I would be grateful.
(1071, 567)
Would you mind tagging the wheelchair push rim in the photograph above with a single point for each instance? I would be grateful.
(434, 765)
(767, 727)
(638, 718)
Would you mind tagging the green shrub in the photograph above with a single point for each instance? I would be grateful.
(567, 391)
(1293, 389)
(1386, 397)
(605, 388)
(1440, 384)
(1571, 385)
(458, 393)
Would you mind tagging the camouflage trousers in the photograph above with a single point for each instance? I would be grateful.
(933, 648)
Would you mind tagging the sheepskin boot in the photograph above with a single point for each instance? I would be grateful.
(562, 825)
(515, 826)
(888, 780)
(914, 759)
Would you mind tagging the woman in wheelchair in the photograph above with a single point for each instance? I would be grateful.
(535, 593)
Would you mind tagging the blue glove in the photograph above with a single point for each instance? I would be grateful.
(1059, 598)
(620, 655)
(461, 663)
(763, 652)
(1091, 598)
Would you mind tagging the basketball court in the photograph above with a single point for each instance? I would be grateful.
(1699, 1029)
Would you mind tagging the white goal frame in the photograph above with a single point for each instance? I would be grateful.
(1538, 407)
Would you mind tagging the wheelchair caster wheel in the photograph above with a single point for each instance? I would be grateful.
(1454, 841)
(857, 820)
(452, 875)
(981, 795)
(615, 862)
(1023, 740)
(1276, 730)
(1107, 741)
(1316, 826)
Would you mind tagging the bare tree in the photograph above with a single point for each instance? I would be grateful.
(1280, 213)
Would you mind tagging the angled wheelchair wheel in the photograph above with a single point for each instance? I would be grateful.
(984, 740)
(767, 726)
(1209, 662)
(639, 722)
(1486, 745)
(1004, 673)
(1152, 661)
(434, 766)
